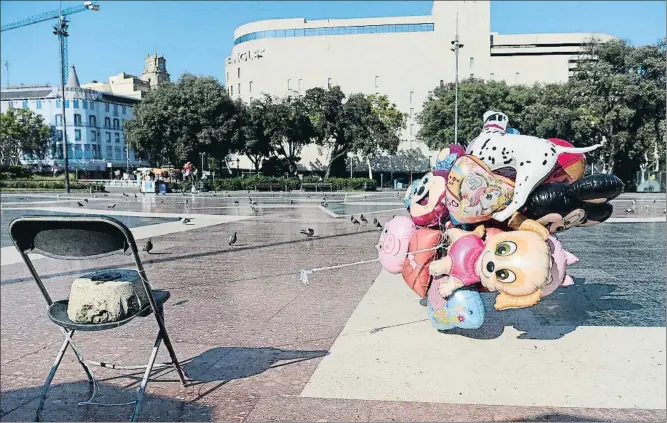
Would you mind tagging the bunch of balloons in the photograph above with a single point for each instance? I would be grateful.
(485, 218)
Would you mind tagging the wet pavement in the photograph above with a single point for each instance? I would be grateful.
(251, 335)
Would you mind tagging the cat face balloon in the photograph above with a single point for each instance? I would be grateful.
(393, 245)
(427, 205)
(474, 193)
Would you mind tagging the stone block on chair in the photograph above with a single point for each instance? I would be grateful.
(106, 296)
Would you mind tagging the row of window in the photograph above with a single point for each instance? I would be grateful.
(85, 103)
(93, 136)
(92, 121)
(91, 151)
(335, 30)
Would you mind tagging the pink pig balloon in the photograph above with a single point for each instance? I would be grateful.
(560, 260)
(393, 245)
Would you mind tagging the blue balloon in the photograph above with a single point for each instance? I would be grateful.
(463, 309)
(411, 191)
(513, 131)
(447, 162)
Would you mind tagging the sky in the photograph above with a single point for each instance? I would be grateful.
(196, 36)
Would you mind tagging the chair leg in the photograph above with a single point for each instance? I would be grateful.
(45, 387)
(144, 381)
(167, 343)
(79, 356)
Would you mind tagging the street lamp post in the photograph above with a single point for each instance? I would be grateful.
(456, 46)
(238, 172)
(60, 29)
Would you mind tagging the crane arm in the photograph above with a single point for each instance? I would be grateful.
(54, 14)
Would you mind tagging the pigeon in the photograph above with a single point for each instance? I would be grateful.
(94, 195)
(186, 221)
(125, 195)
(254, 203)
(309, 233)
(249, 199)
(254, 209)
(232, 239)
(664, 211)
(324, 204)
(111, 206)
(135, 196)
(85, 200)
(291, 202)
(629, 211)
(378, 224)
(58, 196)
(79, 203)
(363, 219)
(352, 218)
(236, 201)
(106, 195)
(143, 193)
(355, 221)
(186, 201)
(162, 201)
(375, 221)
(149, 246)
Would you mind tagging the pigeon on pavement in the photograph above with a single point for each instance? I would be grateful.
(125, 195)
(111, 206)
(149, 246)
(309, 233)
(378, 224)
(186, 221)
(355, 221)
(85, 199)
(363, 219)
(232, 239)
(79, 203)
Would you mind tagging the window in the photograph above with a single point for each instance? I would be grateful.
(118, 154)
(231, 90)
(86, 151)
(412, 112)
(238, 73)
(472, 75)
(250, 99)
(412, 95)
(116, 124)
(289, 84)
(59, 120)
(93, 135)
(106, 107)
(58, 103)
(472, 62)
(39, 104)
(117, 137)
(250, 86)
(108, 136)
(516, 78)
(412, 129)
(300, 84)
(96, 153)
(67, 104)
(115, 110)
(77, 135)
(59, 135)
(238, 89)
(75, 103)
(377, 82)
(124, 110)
(77, 119)
(25, 104)
(92, 105)
(85, 104)
(328, 82)
(492, 76)
(93, 121)
(77, 151)
(107, 123)
(226, 76)
(109, 155)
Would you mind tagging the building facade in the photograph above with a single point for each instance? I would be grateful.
(402, 57)
(154, 74)
(94, 120)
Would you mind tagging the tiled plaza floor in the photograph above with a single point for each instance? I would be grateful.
(252, 336)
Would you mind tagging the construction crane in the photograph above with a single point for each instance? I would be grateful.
(60, 29)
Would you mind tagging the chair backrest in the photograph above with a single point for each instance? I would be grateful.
(71, 237)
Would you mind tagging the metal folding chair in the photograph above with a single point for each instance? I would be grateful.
(77, 238)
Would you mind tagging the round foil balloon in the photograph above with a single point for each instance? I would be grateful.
(427, 205)
(415, 268)
(474, 193)
(393, 245)
(463, 309)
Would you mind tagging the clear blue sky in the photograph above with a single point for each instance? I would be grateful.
(196, 36)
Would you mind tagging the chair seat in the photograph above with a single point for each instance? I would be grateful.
(58, 314)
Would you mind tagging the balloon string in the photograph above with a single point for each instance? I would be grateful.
(303, 274)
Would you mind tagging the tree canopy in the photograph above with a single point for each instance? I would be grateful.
(22, 133)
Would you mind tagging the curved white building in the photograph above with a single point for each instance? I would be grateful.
(402, 57)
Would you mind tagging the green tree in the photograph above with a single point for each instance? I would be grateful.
(475, 97)
(177, 122)
(256, 142)
(386, 126)
(22, 133)
(290, 127)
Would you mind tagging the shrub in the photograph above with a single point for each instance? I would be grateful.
(14, 172)
(353, 184)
